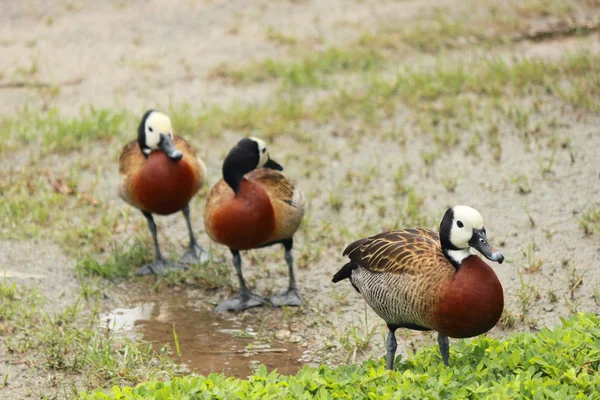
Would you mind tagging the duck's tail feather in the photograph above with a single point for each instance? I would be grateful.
(345, 272)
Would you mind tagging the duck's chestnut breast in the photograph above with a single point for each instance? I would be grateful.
(243, 221)
(471, 303)
(164, 186)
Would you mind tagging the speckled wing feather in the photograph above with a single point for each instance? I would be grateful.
(275, 183)
(189, 155)
(404, 251)
(287, 201)
(401, 275)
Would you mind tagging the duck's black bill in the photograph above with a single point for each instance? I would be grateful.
(166, 145)
(480, 243)
(273, 165)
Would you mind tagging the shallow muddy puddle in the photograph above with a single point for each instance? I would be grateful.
(208, 342)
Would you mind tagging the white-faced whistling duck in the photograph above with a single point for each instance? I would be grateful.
(417, 279)
(160, 174)
(254, 206)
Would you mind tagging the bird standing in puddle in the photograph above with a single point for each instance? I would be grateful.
(160, 175)
(254, 206)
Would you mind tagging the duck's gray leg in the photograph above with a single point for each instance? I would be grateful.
(195, 253)
(290, 297)
(444, 347)
(159, 266)
(391, 345)
(245, 298)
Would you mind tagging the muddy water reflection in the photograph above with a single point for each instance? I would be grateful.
(208, 343)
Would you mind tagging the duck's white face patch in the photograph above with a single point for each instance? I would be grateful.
(263, 154)
(465, 220)
(156, 124)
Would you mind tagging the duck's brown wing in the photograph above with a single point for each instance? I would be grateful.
(288, 202)
(131, 162)
(182, 145)
(277, 186)
(401, 275)
(131, 159)
(407, 251)
(196, 164)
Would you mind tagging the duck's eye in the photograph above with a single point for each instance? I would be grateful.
(264, 150)
(150, 129)
(459, 224)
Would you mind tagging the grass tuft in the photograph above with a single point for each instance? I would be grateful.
(310, 71)
(589, 220)
(122, 262)
(53, 132)
(18, 307)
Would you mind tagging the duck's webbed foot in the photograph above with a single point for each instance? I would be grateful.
(291, 298)
(244, 300)
(195, 254)
(160, 267)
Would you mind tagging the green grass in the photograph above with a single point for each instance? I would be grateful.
(36, 202)
(551, 364)
(122, 261)
(210, 275)
(310, 70)
(494, 77)
(52, 132)
(27, 203)
(589, 220)
(274, 35)
(18, 307)
(437, 93)
(436, 29)
(485, 24)
(448, 98)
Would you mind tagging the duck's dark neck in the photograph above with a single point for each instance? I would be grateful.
(452, 253)
(233, 174)
(234, 181)
(142, 134)
(237, 164)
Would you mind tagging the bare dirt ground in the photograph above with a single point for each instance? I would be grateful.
(132, 55)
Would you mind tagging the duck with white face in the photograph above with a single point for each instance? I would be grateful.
(160, 175)
(462, 229)
(155, 133)
(425, 280)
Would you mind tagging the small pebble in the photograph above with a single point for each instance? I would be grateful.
(282, 334)
(295, 338)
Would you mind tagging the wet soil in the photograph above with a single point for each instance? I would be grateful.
(207, 342)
